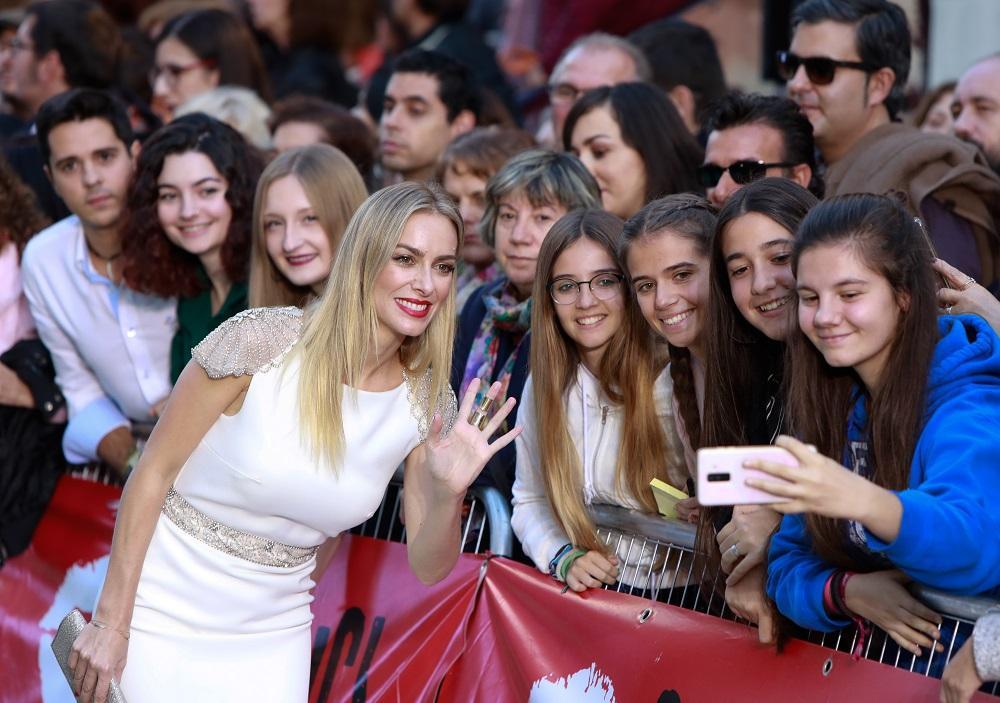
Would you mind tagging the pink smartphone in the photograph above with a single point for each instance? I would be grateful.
(722, 476)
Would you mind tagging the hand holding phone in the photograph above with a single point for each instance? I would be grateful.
(722, 475)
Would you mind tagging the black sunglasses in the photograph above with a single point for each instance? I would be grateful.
(820, 69)
(742, 172)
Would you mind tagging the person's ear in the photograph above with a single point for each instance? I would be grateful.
(880, 85)
(134, 148)
(214, 77)
(683, 99)
(48, 172)
(903, 301)
(464, 122)
(802, 174)
(51, 70)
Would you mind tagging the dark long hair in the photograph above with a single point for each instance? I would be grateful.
(885, 237)
(152, 264)
(222, 40)
(692, 217)
(739, 358)
(744, 369)
(651, 125)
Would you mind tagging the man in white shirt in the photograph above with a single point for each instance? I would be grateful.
(110, 345)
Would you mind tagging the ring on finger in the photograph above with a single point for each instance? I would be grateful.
(480, 416)
(734, 550)
(969, 280)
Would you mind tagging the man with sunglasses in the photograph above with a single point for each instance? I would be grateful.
(751, 136)
(846, 68)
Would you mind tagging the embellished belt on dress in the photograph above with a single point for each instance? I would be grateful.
(238, 543)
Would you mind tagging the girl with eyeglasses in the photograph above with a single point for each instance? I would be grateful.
(597, 418)
(201, 50)
(906, 401)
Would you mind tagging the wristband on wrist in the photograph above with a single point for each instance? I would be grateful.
(839, 604)
(567, 562)
(554, 564)
(829, 604)
(840, 597)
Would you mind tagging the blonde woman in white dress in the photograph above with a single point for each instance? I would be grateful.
(282, 432)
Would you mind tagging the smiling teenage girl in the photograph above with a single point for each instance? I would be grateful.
(598, 421)
(305, 198)
(187, 232)
(667, 246)
(751, 288)
(908, 402)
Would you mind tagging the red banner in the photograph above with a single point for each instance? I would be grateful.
(528, 641)
(492, 631)
(61, 570)
(381, 635)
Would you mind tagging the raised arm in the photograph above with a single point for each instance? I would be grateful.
(437, 475)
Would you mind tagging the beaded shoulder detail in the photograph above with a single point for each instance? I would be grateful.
(418, 392)
(249, 342)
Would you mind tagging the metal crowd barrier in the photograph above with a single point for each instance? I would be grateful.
(485, 519)
(673, 545)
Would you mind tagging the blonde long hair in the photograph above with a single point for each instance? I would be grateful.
(333, 188)
(627, 376)
(341, 327)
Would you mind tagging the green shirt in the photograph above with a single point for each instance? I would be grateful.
(195, 320)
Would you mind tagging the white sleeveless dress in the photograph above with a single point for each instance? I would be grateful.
(222, 608)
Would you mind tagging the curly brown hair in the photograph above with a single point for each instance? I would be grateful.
(20, 217)
(152, 264)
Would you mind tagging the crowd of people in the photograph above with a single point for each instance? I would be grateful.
(238, 242)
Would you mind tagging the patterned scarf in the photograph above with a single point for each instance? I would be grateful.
(504, 314)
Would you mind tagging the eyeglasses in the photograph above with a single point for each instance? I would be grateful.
(564, 93)
(742, 172)
(604, 286)
(820, 69)
(172, 73)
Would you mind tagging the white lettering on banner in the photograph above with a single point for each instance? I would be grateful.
(585, 686)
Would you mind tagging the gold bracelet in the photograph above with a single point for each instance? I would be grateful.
(103, 626)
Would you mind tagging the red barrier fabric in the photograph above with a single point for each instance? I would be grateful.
(381, 635)
(493, 631)
(61, 570)
(528, 641)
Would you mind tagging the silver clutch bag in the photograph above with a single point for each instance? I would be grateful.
(69, 629)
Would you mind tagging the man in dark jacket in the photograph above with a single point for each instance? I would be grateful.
(846, 68)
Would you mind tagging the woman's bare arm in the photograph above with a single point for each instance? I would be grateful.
(194, 406)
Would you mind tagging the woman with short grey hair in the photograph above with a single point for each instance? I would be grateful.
(523, 200)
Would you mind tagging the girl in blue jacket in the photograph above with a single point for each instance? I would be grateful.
(920, 396)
